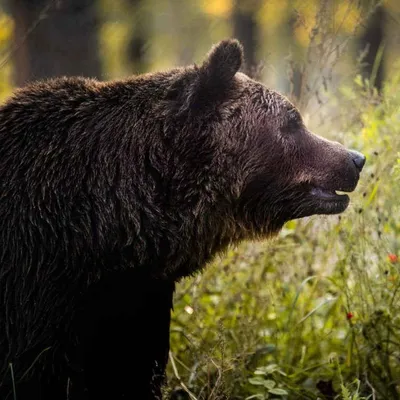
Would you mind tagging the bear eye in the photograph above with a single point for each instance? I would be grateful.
(294, 120)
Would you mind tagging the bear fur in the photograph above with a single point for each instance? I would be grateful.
(113, 191)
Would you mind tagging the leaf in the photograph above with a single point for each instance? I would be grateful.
(271, 368)
(269, 384)
(257, 381)
(259, 372)
(372, 195)
(279, 392)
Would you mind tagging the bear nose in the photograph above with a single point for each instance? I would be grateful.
(358, 159)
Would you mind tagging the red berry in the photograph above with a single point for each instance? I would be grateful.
(349, 315)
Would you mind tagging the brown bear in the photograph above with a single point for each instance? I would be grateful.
(113, 191)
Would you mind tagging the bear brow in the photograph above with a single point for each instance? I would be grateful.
(294, 114)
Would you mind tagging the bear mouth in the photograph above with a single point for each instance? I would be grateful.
(330, 194)
(329, 201)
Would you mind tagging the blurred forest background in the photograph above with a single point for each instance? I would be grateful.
(116, 38)
(313, 314)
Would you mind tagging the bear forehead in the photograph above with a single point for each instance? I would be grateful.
(274, 102)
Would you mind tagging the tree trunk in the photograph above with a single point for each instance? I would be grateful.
(294, 71)
(55, 37)
(245, 29)
(371, 40)
(138, 42)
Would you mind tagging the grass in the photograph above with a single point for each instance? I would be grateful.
(312, 314)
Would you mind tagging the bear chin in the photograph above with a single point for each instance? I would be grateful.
(330, 207)
(328, 201)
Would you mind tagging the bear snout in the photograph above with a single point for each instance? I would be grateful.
(358, 159)
(349, 173)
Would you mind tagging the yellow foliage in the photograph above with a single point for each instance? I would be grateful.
(272, 13)
(217, 8)
(113, 40)
(6, 27)
(346, 17)
(305, 12)
(6, 31)
(392, 5)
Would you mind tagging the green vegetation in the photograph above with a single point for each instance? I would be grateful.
(313, 313)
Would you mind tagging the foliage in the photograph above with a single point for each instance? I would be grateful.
(6, 28)
(314, 313)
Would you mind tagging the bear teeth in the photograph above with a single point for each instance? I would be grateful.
(328, 194)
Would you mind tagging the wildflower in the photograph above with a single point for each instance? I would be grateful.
(189, 310)
(393, 258)
(349, 316)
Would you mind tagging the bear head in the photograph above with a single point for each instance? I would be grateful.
(254, 150)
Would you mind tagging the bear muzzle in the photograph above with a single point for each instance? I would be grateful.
(331, 197)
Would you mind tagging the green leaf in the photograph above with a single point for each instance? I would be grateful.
(372, 195)
(259, 372)
(280, 392)
(269, 384)
(271, 368)
(257, 381)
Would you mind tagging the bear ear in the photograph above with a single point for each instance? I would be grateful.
(200, 88)
(222, 63)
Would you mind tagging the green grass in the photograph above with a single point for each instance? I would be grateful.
(312, 314)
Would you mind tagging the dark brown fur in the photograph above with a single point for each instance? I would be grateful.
(154, 174)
